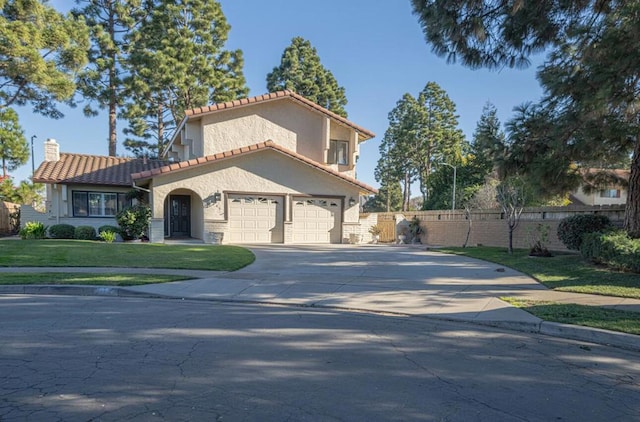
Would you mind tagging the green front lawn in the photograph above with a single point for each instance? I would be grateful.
(564, 272)
(87, 279)
(589, 316)
(80, 253)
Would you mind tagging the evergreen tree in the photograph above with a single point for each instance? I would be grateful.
(26, 193)
(591, 77)
(437, 135)
(300, 71)
(489, 140)
(177, 62)
(101, 82)
(388, 198)
(14, 149)
(395, 163)
(40, 52)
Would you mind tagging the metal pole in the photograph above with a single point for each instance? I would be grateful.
(33, 163)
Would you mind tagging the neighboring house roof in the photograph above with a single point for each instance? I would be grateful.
(214, 108)
(184, 165)
(93, 169)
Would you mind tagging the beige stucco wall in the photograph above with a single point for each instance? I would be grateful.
(286, 123)
(264, 172)
(595, 199)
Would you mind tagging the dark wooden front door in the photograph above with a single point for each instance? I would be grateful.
(179, 215)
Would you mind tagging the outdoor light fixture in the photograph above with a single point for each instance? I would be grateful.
(352, 201)
(212, 199)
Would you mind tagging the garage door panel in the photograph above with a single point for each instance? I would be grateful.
(255, 219)
(316, 220)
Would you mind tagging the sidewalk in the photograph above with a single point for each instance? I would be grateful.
(381, 279)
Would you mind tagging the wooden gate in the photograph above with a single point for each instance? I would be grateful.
(387, 224)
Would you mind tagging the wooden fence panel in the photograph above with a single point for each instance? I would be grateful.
(387, 224)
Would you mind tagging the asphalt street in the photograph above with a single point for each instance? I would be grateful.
(119, 359)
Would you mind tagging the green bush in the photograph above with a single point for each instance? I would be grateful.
(134, 221)
(614, 249)
(85, 233)
(62, 231)
(108, 236)
(33, 230)
(108, 228)
(572, 229)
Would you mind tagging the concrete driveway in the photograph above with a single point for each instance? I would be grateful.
(381, 278)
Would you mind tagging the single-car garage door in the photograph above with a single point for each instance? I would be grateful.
(317, 220)
(255, 219)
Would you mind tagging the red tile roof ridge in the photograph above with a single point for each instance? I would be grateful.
(268, 144)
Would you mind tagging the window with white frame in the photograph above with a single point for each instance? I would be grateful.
(610, 193)
(338, 152)
(98, 204)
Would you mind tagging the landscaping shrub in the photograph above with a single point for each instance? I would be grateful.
(33, 230)
(62, 231)
(134, 221)
(614, 249)
(85, 233)
(108, 236)
(107, 228)
(572, 229)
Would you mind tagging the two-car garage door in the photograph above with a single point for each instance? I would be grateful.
(260, 219)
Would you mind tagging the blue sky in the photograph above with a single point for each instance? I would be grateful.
(376, 50)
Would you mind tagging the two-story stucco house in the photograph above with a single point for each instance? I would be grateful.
(275, 168)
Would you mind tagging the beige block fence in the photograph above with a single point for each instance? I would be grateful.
(488, 227)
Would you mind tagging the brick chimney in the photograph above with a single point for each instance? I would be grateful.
(51, 150)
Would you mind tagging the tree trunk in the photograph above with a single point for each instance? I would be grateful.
(511, 228)
(113, 134)
(632, 210)
(113, 101)
(467, 213)
(406, 196)
(160, 131)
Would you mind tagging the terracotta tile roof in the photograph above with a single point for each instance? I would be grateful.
(364, 133)
(93, 169)
(244, 151)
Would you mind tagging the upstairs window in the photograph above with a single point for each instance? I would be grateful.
(610, 193)
(338, 152)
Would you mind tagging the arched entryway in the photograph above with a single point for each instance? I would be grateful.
(183, 215)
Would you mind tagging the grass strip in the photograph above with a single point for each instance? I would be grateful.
(80, 253)
(563, 272)
(86, 279)
(589, 316)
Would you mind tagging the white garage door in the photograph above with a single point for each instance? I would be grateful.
(316, 220)
(255, 219)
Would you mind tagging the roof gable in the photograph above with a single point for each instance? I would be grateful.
(274, 96)
(93, 169)
(184, 165)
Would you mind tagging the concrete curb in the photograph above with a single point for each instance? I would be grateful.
(553, 329)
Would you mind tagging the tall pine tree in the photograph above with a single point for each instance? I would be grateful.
(300, 71)
(40, 52)
(102, 81)
(177, 61)
(14, 149)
